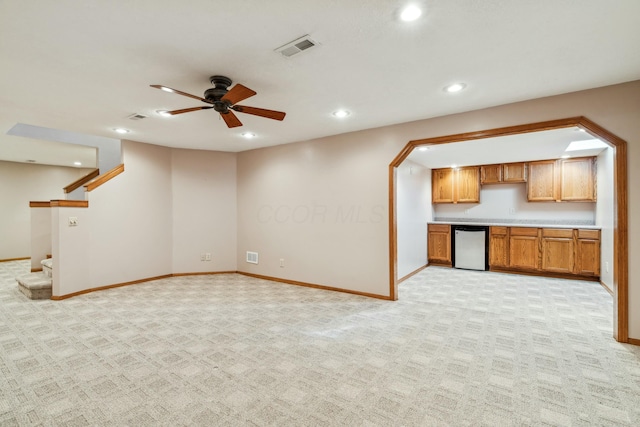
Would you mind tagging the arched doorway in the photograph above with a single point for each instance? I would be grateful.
(620, 232)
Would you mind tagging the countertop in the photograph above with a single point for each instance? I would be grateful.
(515, 223)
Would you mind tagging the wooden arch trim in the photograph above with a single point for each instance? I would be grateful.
(620, 208)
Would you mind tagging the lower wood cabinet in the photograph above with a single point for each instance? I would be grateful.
(524, 248)
(499, 246)
(439, 244)
(588, 251)
(558, 247)
(571, 252)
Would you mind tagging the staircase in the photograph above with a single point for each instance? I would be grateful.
(37, 285)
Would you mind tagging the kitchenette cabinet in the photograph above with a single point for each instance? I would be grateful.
(503, 173)
(524, 245)
(563, 180)
(439, 244)
(547, 251)
(460, 185)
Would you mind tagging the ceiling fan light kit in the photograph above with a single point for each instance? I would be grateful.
(223, 100)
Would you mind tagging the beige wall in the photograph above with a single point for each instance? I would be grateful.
(351, 170)
(204, 210)
(21, 183)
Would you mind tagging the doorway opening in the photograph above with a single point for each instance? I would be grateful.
(620, 217)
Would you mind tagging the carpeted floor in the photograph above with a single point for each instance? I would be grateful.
(459, 348)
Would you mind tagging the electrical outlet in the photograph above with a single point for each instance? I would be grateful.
(512, 211)
(202, 257)
(207, 256)
(282, 262)
(466, 211)
(73, 221)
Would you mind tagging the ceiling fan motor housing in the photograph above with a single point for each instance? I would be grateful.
(221, 87)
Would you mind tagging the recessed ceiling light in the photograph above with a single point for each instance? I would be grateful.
(566, 156)
(455, 87)
(121, 130)
(77, 163)
(423, 148)
(410, 13)
(454, 166)
(166, 89)
(248, 135)
(163, 113)
(341, 113)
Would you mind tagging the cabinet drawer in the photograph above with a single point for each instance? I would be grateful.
(557, 232)
(524, 231)
(500, 231)
(588, 234)
(443, 228)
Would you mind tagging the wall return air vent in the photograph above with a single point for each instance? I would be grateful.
(252, 257)
(296, 46)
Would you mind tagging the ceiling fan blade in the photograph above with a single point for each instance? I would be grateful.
(187, 110)
(231, 119)
(238, 93)
(269, 114)
(179, 92)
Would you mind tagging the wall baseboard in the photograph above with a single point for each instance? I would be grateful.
(102, 288)
(14, 259)
(311, 285)
(633, 341)
(606, 288)
(35, 270)
(414, 272)
(203, 273)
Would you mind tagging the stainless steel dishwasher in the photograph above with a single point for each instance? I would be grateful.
(470, 247)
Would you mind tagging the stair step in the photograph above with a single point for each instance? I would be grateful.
(35, 285)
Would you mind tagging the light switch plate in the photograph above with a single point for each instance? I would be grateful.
(73, 221)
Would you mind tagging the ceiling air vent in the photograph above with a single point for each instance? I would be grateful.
(137, 116)
(296, 46)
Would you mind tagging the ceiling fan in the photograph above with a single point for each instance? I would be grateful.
(224, 100)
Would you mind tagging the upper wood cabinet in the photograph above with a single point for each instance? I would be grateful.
(439, 243)
(442, 181)
(564, 180)
(514, 172)
(578, 180)
(542, 185)
(503, 173)
(461, 185)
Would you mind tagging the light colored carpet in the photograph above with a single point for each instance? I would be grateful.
(459, 348)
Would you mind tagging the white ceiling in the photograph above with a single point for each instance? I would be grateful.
(86, 66)
(543, 145)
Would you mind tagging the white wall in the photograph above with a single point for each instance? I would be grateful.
(604, 215)
(412, 213)
(498, 200)
(204, 210)
(21, 183)
(40, 236)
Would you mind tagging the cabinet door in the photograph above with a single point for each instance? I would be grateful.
(578, 179)
(498, 247)
(514, 172)
(524, 248)
(542, 183)
(558, 250)
(439, 244)
(490, 174)
(588, 257)
(442, 185)
(468, 185)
